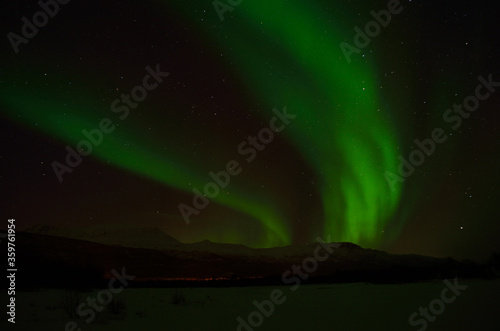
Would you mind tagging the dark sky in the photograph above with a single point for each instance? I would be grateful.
(301, 140)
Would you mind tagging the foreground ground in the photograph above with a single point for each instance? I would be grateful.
(357, 306)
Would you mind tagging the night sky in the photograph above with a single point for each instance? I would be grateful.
(322, 172)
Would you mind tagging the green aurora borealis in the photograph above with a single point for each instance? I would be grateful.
(353, 142)
(347, 133)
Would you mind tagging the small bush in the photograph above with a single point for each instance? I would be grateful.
(117, 307)
(178, 298)
(141, 313)
(69, 301)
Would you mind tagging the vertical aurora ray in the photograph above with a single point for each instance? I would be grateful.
(340, 129)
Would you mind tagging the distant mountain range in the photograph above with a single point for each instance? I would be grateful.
(80, 257)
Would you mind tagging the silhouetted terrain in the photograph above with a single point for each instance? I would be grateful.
(54, 261)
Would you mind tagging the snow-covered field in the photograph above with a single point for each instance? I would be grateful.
(356, 306)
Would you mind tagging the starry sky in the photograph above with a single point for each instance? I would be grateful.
(226, 74)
